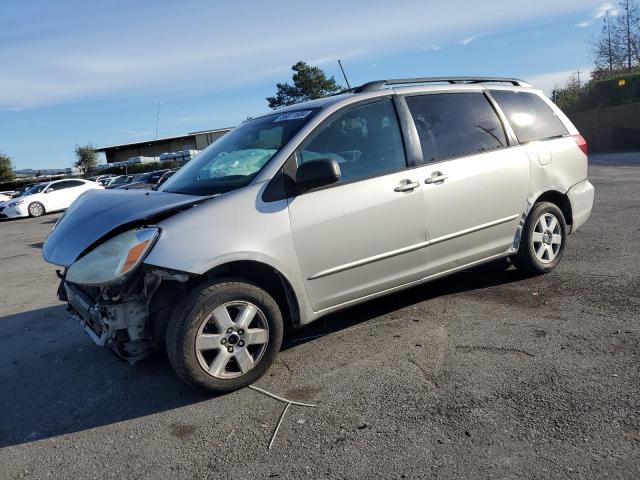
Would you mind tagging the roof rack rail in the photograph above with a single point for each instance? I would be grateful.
(378, 84)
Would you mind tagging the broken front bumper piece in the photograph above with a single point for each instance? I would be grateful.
(117, 326)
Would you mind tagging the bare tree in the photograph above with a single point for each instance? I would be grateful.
(602, 47)
(617, 48)
(628, 32)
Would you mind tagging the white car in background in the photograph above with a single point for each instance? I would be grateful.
(47, 197)
(4, 197)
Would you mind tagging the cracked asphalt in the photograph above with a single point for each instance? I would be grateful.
(485, 374)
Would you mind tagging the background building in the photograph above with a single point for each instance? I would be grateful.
(154, 148)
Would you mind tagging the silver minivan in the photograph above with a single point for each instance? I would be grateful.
(317, 207)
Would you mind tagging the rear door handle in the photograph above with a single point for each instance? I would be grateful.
(436, 177)
(406, 186)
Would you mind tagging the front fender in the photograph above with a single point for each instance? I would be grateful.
(238, 226)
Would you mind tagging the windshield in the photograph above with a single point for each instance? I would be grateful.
(235, 159)
(123, 179)
(155, 176)
(35, 189)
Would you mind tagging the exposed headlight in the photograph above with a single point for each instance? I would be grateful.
(16, 203)
(110, 261)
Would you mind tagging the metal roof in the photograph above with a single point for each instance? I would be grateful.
(159, 140)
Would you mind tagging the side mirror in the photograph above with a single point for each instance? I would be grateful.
(317, 173)
(48, 190)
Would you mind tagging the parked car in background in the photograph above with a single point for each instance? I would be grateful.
(145, 181)
(317, 207)
(105, 176)
(165, 176)
(18, 193)
(47, 197)
(21, 190)
(119, 181)
(105, 182)
(5, 196)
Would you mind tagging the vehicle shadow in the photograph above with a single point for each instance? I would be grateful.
(54, 381)
(492, 274)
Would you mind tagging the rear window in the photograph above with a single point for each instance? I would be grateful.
(529, 115)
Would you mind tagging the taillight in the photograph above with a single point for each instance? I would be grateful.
(582, 143)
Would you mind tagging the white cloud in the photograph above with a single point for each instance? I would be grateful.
(467, 40)
(48, 59)
(613, 10)
(600, 12)
(431, 47)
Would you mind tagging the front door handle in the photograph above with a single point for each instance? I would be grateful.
(406, 186)
(436, 177)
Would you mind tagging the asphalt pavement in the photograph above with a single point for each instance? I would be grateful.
(484, 374)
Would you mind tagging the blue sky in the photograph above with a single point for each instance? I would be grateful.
(75, 72)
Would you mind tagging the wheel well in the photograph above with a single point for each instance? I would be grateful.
(167, 297)
(266, 277)
(561, 201)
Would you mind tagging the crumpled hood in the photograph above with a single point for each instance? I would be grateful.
(98, 212)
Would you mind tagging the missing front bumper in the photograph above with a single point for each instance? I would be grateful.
(119, 327)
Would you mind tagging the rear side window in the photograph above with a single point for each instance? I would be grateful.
(60, 185)
(455, 124)
(66, 184)
(529, 115)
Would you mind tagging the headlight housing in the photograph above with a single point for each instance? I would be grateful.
(16, 203)
(110, 261)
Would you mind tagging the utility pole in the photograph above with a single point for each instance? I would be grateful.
(626, 7)
(579, 84)
(607, 22)
(157, 122)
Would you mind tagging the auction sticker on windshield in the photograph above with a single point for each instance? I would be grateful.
(292, 116)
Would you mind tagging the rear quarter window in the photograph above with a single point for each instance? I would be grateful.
(529, 115)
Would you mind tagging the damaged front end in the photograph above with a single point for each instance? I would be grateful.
(119, 317)
(101, 242)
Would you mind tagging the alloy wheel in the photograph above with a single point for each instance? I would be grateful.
(35, 209)
(232, 339)
(547, 238)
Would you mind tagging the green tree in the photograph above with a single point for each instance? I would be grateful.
(86, 157)
(6, 168)
(568, 97)
(308, 83)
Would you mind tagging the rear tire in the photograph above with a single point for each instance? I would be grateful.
(224, 336)
(36, 209)
(543, 239)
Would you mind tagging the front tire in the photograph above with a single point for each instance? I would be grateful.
(224, 336)
(36, 209)
(543, 239)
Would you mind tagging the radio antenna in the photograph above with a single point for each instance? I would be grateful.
(157, 120)
(344, 75)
